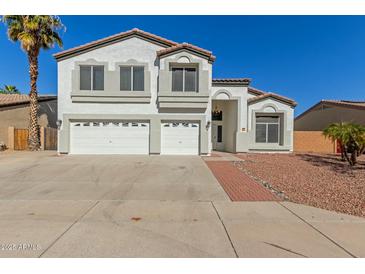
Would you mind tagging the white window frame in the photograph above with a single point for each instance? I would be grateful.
(131, 68)
(267, 131)
(184, 69)
(92, 77)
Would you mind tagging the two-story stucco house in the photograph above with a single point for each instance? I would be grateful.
(138, 93)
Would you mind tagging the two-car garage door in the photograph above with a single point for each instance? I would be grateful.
(110, 138)
(125, 137)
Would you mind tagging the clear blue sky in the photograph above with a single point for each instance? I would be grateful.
(307, 58)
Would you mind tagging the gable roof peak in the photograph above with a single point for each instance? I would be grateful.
(112, 39)
(187, 46)
(276, 96)
(170, 46)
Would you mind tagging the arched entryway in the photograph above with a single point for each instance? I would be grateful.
(224, 121)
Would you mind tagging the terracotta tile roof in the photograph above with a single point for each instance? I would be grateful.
(256, 91)
(272, 95)
(260, 94)
(114, 38)
(187, 46)
(233, 81)
(18, 99)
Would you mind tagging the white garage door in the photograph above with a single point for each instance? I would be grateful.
(180, 138)
(109, 138)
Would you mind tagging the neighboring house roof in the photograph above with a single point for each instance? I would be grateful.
(337, 103)
(7, 100)
(115, 38)
(231, 81)
(272, 95)
(188, 47)
(346, 103)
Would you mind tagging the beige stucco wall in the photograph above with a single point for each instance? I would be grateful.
(320, 118)
(18, 117)
(286, 113)
(240, 125)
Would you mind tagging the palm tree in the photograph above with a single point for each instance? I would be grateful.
(357, 141)
(351, 138)
(335, 132)
(9, 89)
(34, 32)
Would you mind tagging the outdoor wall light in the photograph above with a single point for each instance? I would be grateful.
(59, 124)
(208, 125)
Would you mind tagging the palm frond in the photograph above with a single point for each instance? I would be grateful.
(32, 25)
(28, 41)
(9, 89)
(34, 31)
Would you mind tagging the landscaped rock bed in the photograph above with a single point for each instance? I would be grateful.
(318, 180)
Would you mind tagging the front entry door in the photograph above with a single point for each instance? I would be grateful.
(217, 133)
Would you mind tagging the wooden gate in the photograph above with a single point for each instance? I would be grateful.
(50, 138)
(20, 139)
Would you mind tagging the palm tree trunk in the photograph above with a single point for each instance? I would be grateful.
(354, 158)
(33, 139)
(342, 147)
(347, 156)
(342, 156)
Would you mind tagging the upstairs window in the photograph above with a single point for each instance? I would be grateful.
(267, 129)
(91, 77)
(184, 79)
(132, 78)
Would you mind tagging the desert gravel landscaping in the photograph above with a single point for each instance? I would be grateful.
(322, 181)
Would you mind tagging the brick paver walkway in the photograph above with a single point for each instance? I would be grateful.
(238, 185)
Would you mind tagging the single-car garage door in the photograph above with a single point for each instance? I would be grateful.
(180, 138)
(111, 137)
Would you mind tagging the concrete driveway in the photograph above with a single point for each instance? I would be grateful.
(152, 206)
(46, 176)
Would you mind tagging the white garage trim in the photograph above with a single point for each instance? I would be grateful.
(109, 137)
(180, 138)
